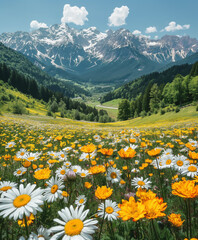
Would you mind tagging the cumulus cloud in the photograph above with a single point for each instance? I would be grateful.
(173, 26)
(74, 15)
(118, 16)
(151, 30)
(36, 25)
(136, 32)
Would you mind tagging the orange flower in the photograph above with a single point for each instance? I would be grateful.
(193, 155)
(185, 189)
(88, 148)
(59, 138)
(154, 208)
(154, 152)
(106, 151)
(29, 220)
(131, 210)
(175, 219)
(42, 173)
(26, 164)
(88, 185)
(144, 195)
(97, 169)
(103, 192)
(189, 146)
(128, 154)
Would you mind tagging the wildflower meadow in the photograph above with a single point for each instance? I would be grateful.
(101, 184)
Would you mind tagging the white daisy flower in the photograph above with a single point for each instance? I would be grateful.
(190, 170)
(21, 202)
(52, 154)
(67, 164)
(54, 189)
(166, 161)
(30, 156)
(6, 185)
(21, 153)
(113, 175)
(83, 173)
(42, 234)
(76, 168)
(61, 172)
(73, 225)
(10, 144)
(20, 171)
(62, 155)
(108, 210)
(140, 182)
(87, 156)
(67, 149)
(97, 138)
(80, 200)
(180, 162)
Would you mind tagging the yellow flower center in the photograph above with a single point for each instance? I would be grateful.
(65, 194)
(22, 153)
(19, 172)
(83, 175)
(81, 200)
(21, 200)
(113, 175)
(6, 188)
(141, 183)
(10, 145)
(54, 188)
(75, 170)
(168, 162)
(62, 155)
(31, 158)
(73, 227)
(109, 210)
(180, 163)
(192, 169)
(62, 172)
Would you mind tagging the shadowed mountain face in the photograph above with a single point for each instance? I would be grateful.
(113, 56)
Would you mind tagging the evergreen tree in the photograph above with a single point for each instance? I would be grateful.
(124, 110)
(154, 97)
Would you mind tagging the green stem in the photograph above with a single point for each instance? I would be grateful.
(189, 214)
(102, 223)
(156, 235)
(26, 227)
(187, 223)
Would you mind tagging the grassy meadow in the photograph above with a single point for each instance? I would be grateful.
(130, 180)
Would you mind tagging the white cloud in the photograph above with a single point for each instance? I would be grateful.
(74, 15)
(118, 16)
(151, 30)
(36, 25)
(136, 32)
(172, 26)
(156, 37)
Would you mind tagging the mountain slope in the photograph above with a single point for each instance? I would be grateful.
(113, 56)
(18, 61)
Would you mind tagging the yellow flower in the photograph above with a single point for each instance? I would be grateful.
(154, 208)
(154, 152)
(185, 189)
(29, 220)
(88, 148)
(88, 185)
(145, 195)
(131, 210)
(97, 169)
(193, 155)
(106, 151)
(42, 173)
(128, 154)
(175, 219)
(103, 192)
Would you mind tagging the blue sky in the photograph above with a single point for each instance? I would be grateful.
(154, 18)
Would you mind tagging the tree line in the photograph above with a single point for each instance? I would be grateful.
(162, 97)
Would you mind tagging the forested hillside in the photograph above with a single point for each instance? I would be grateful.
(19, 62)
(164, 92)
(55, 101)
